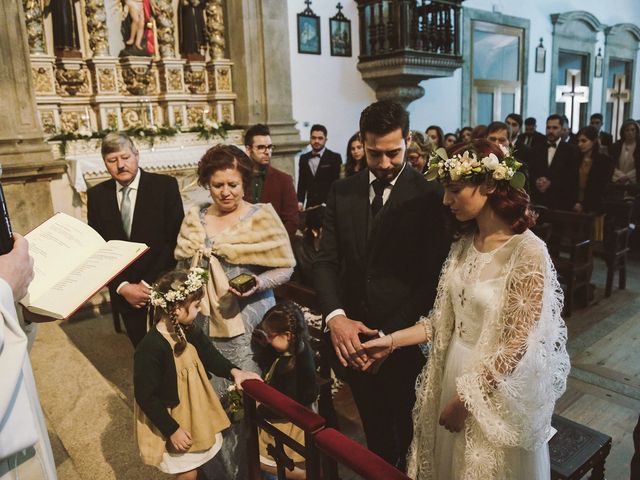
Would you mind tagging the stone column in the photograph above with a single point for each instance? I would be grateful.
(259, 49)
(35, 26)
(27, 161)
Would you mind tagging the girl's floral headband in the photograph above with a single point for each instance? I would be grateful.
(468, 165)
(179, 291)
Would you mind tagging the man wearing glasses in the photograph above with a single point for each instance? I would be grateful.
(268, 184)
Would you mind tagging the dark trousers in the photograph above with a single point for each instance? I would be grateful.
(385, 402)
(134, 319)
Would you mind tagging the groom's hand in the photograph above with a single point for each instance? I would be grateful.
(344, 336)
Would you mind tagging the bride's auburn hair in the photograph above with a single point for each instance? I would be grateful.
(511, 204)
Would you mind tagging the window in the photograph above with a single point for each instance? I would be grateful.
(571, 100)
(618, 88)
(496, 75)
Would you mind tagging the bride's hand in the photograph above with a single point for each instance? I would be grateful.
(378, 349)
(454, 415)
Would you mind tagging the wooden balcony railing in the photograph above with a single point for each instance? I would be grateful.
(388, 26)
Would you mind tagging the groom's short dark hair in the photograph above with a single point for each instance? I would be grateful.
(384, 117)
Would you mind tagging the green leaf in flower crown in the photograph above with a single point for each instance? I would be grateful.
(518, 180)
(432, 173)
(442, 153)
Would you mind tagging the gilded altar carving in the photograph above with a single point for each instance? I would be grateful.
(70, 121)
(165, 27)
(35, 28)
(48, 121)
(131, 118)
(43, 80)
(97, 27)
(215, 28)
(72, 81)
(194, 115)
(174, 80)
(106, 80)
(195, 80)
(112, 119)
(223, 79)
(226, 111)
(177, 116)
(138, 80)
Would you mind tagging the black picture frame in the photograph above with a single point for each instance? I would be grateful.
(309, 33)
(340, 36)
(541, 57)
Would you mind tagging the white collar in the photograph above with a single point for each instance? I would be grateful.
(372, 177)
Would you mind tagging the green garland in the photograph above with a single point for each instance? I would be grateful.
(139, 133)
(209, 129)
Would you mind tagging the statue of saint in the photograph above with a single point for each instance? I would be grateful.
(192, 29)
(65, 27)
(137, 28)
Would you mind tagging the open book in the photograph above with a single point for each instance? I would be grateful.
(72, 263)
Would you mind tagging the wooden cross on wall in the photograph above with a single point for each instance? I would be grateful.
(618, 95)
(572, 95)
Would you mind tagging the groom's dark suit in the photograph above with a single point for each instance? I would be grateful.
(157, 217)
(383, 271)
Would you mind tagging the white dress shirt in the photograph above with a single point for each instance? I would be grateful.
(551, 151)
(314, 161)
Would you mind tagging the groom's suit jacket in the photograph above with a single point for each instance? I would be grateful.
(382, 271)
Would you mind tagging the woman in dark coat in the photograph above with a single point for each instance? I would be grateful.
(594, 172)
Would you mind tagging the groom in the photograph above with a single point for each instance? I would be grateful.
(382, 249)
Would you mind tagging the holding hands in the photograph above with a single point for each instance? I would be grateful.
(344, 336)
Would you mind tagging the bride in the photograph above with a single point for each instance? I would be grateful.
(497, 362)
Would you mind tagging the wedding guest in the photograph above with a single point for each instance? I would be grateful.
(231, 237)
(498, 359)
(317, 170)
(418, 150)
(436, 135)
(594, 172)
(626, 154)
(606, 139)
(355, 156)
(450, 139)
(465, 134)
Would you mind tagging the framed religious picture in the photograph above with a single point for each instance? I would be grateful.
(340, 34)
(308, 31)
(541, 56)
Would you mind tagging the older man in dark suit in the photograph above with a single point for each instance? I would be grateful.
(138, 206)
(268, 184)
(554, 169)
(382, 249)
(318, 169)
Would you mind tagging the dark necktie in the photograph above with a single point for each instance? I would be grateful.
(378, 188)
(551, 145)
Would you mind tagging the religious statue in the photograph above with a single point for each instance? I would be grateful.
(137, 28)
(65, 27)
(192, 29)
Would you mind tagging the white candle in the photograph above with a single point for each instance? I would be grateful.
(88, 118)
(205, 114)
(150, 111)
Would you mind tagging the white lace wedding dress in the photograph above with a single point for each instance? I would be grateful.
(497, 341)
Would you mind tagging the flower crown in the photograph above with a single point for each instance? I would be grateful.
(468, 165)
(179, 291)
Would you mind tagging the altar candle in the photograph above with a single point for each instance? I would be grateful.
(205, 113)
(88, 118)
(150, 112)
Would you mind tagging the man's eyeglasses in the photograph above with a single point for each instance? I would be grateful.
(262, 148)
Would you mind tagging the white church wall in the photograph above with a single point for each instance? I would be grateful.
(325, 89)
(330, 90)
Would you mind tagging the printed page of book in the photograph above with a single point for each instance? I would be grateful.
(57, 246)
(79, 285)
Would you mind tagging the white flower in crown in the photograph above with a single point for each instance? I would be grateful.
(491, 162)
(196, 279)
(500, 172)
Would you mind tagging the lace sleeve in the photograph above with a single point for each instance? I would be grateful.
(273, 278)
(521, 363)
(428, 329)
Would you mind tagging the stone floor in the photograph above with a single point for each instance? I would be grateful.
(83, 370)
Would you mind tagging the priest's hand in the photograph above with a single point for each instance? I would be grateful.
(344, 336)
(454, 414)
